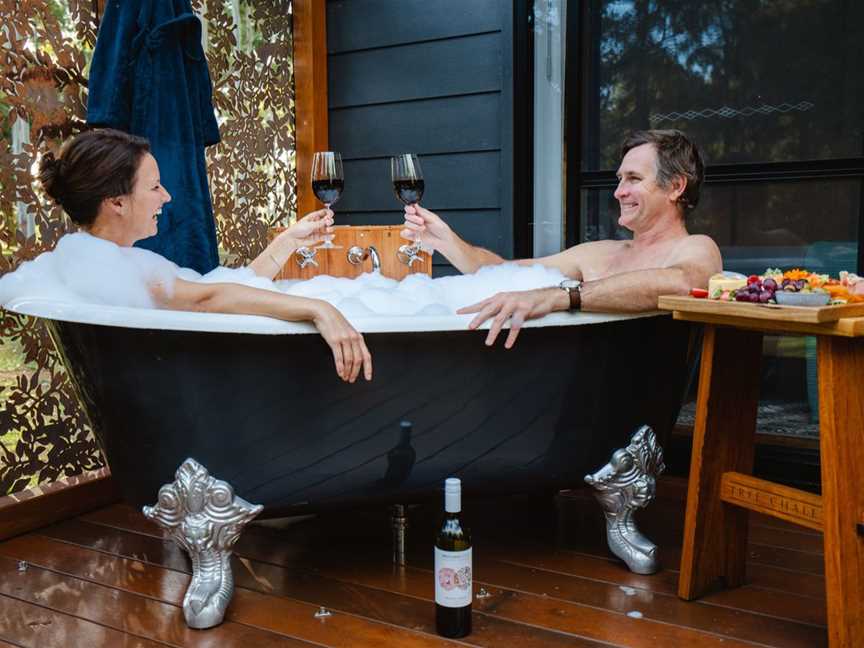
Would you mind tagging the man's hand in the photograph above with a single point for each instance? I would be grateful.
(421, 223)
(517, 307)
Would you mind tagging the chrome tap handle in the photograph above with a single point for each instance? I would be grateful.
(406, 255)
(306, 257)
(356, 255)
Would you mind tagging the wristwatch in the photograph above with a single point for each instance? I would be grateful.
(574, 290)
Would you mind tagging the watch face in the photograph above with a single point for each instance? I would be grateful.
(570, 284)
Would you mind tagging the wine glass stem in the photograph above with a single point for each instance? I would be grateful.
(417, 247)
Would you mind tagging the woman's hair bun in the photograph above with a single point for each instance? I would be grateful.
(50, 175)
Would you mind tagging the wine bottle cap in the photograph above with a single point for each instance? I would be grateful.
(452, 495)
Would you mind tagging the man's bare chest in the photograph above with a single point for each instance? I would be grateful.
(627, 260)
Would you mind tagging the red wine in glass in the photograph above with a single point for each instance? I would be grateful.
(409, 191)
(408, 184)
(328, 191)
(328, 181)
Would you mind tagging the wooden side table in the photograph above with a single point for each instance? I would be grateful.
(721, 485)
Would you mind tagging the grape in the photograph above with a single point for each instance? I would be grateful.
(754, 297)
(742, 296)
(800, 284)
(769, 284)
(764, 296)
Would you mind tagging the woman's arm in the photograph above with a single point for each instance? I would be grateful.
(349, 349)
(308, 231)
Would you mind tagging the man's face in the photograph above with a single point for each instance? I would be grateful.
(642, 201)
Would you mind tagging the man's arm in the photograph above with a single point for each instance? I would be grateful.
(628, 292)
(434, 233)
(631, 292)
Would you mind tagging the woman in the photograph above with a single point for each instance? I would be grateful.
(108, 183)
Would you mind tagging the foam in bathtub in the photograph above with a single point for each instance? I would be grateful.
(86, 269)
(89, 280)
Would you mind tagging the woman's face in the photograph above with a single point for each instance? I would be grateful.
(145, 202)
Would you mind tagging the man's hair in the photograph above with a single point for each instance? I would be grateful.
(676, 156)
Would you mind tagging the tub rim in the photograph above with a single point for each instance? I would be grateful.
(172, 320)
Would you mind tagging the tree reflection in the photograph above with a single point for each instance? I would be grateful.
(750, 80)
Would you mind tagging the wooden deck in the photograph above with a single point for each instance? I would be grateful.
(109, 579)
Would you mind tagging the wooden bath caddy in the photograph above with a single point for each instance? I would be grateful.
(335, 263)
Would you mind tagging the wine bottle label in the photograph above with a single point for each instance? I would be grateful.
(453, 578)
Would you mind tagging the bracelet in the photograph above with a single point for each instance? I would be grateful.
(273, 259)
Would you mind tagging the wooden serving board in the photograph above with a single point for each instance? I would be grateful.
(801, 314)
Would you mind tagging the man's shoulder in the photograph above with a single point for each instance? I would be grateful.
(693, 242)
(698, 249)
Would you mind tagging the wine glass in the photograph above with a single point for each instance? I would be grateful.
(408, 184)
(328, 181)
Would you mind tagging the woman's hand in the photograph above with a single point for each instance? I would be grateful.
(428, 226)
(308, 231)
(311, 229)
(349, 348)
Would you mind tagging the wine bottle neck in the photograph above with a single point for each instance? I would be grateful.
(453, 502)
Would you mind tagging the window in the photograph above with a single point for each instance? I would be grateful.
(771, 93)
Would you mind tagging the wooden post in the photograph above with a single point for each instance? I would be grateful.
(715, 533)
(310, 83)
(841, 421)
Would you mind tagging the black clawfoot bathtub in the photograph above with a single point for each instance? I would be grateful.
(258, 402)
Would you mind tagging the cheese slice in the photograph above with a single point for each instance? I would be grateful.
(726, 281)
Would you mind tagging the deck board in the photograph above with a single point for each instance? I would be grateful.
(27, 624)
(110, 578)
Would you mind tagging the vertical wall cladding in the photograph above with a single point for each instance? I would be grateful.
(432, 78)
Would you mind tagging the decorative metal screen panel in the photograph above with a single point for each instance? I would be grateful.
(45, 50)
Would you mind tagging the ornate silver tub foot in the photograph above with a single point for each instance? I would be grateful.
(204, 517)
(627, 483)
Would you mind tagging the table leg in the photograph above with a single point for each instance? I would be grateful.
(715, 533)
(841, 440)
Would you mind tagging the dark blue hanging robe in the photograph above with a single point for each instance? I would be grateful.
(149, 77)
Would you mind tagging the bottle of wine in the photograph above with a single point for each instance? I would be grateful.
(453, 577)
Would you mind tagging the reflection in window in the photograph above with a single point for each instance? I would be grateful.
(748, 81)
(811, 224)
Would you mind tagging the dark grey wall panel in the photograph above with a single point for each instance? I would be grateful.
(467, 123)
(463, 181)
(362, 24)
(487, 228)
(414, 71)
(433, 78)
(483, 227)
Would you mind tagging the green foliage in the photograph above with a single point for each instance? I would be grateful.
(44, 432)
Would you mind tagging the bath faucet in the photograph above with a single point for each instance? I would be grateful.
(376, 260)
(306, 256)
(357, 255)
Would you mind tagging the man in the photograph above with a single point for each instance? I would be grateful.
(659, 179)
